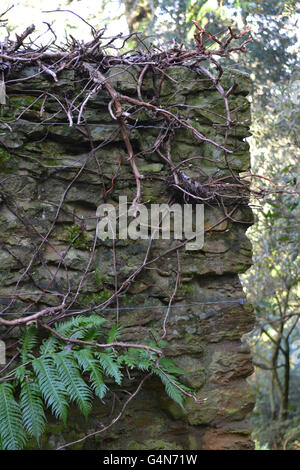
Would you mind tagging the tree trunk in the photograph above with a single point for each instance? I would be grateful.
(138, 13)
(286, 382)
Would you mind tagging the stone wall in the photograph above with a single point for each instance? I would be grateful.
(41, 158)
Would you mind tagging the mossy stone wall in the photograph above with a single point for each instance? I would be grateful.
(40, 156)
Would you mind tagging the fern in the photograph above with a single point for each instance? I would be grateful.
(13, 436)
(77, 327)
(49, 345)
(90, 334)
(88, 321)
(86, 361)
(91, 327)
(110, 366)
(52, 388)
(70, 329)
(141, 357)
(32, 409)
(80, 327)
(173, 392)
(29, 341)
(114, 334)
(77, 389)
(58, 376)
(129, 361)
(169, 366)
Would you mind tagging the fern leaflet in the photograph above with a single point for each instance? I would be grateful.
(53, 390)
(170, 388)
(110, 366)
(77, 389)
(32, 409)
(86, 361)
(28, 342)
(13, 436)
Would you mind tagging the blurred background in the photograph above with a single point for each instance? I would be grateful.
(272, 284)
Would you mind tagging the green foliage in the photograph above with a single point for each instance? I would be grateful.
(32, 408)
(269, 435)
(52, 388)
(76, 388)
(11, 424)
(259, 446)
(90, 365)
(97, 298)
(54, 373)
(171, 385)
(274, 23)
(4, 159)
(136, 358)
(28, 342)
(114, 333)
(77, 236)
(273, 282)
(110, 366)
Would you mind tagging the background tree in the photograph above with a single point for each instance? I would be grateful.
(273, 281)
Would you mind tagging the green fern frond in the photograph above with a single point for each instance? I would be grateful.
(141, 357)
(110, 366)
(171, 389)
(53, 391)
(88, 328)
(78, 327)
(129, 361)
(78, 391)
(32, 409)
(90, 334)
(88, 364)
(169, 366)
(114, 334)
(82, 321)
(20, 373)
(29, 341)
(12, 432)
(144, 364)
(50, 345)
(66, 328)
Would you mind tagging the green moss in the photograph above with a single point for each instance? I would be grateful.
(153, 444)
(46, 149)
(55, 428)
(128, 299)
(77, 236)
(51, 430)
(97, 278)
(22, 100)
(172, 408)
(193, 444)
(29, 106)
(6, 119)
(101, 281)
(187, 288)
(4, 158)
(97, 298)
